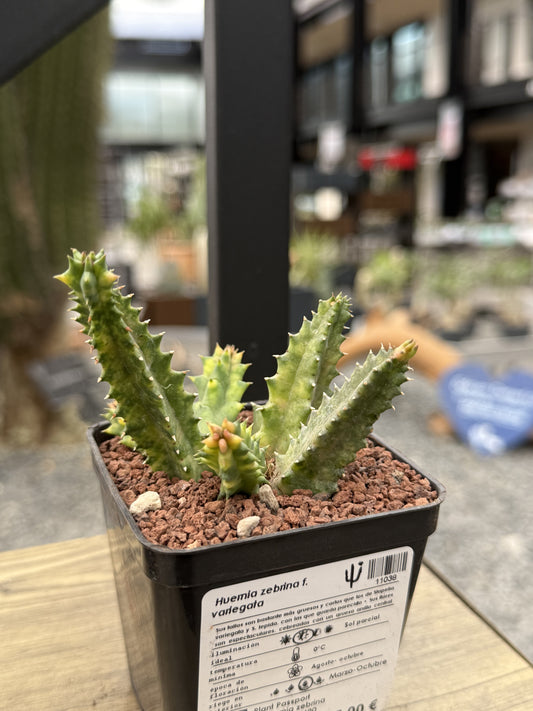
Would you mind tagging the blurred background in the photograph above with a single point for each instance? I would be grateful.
(411, 192)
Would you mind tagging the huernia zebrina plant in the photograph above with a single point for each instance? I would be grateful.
(303, 436)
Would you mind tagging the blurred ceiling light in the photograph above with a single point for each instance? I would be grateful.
(329, 204)
(157, 19)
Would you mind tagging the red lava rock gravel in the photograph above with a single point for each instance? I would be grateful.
(191, 514)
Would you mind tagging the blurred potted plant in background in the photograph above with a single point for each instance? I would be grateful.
(153, 223)
(509, 276)
(443, 292)
(383, 283)
(152, 216)
(49, 159)
(193, 216)
(313, 256)
(186, 244)
(179, 238)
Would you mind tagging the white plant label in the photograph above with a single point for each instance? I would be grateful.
(324, 638)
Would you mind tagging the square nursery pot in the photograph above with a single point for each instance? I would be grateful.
(303, 619)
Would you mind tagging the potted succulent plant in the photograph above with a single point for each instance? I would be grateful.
(167, 238)
(443, 293)
(384, 281)
(293, 590)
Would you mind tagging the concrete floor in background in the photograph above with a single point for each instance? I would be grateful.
(484, 542)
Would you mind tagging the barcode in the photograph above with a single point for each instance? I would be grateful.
(388, 564)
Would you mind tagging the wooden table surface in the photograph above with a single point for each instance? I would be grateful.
(61, 644)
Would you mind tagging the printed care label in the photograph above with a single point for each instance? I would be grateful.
(323, 638)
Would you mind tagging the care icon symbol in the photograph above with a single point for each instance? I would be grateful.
(304, 635)
(305, 683)
(295, 671)
(351, 576)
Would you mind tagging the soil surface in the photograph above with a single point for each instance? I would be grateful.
(191, 515)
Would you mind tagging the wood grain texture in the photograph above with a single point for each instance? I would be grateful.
(450, 659)
(62, 646)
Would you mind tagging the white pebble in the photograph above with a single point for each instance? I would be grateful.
(267, 496)
(246, 526)
(149, 501)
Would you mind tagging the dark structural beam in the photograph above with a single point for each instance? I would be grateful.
(248, 65)
(30, 27)
(358, 53)
(454, 171)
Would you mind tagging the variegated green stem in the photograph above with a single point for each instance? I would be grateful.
(235, 457)
(340, 426)
(157, 412)
(220, 387)
(304, 373)
(311, 433)
(117, 426)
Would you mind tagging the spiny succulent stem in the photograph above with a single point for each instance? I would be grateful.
(305, 434)
(339, 428)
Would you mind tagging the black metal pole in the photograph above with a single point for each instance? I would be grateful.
(248, 65)
(454, 193)
(359, 55)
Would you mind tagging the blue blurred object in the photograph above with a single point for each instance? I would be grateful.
(490, 414)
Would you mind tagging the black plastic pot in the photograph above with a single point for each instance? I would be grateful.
(211, 629)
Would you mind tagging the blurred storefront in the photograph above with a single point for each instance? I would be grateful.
(434, 98)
